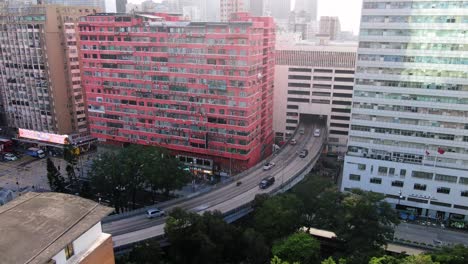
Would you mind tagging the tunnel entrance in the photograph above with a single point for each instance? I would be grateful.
(320, 120)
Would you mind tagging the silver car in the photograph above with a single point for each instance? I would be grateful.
(155, 212)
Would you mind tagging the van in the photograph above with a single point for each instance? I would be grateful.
(266, 182)
(317, 132)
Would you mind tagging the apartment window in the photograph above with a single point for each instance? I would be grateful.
(343, 95)
(323, 70)
(402, 172)
(69, 251)
(376, 180)
(302, 85)
(382, 170)
(422, 175)
(339, 125)
(361, 166)
(340, 79)
(464, 193)
(299, 77)
(299, 92)
(292, 107)
(354, 177)
(342, 87)
(446, 178)
(344, 72)
(391, 171)
(338, 132)
(341, 103)
(340, 117)
(463, 180)
(441, 204)
(338, 110)
(421, 187)
(444, 190)
(300, 70)
(397, 183)
(298, 100)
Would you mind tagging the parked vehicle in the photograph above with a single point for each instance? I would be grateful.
(303, 153)
(35, 152)
(9, 157)
(6, 145)
(266, 182)
(293, 141)
(301, 131)
(155, 212)
(317, 132)
(268, 165)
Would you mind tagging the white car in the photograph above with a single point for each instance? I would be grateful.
(10, 157)
(317, 132)
(301, 131)
(268, 165)
(293, 141)
(155, 212)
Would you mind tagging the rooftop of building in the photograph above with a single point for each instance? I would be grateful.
(332, 46)
(36, 226)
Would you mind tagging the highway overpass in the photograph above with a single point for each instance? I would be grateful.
(232, 200)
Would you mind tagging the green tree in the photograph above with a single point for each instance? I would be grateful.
(146, 252)
(71, 157)
(162, 171)
(109, 180)
(418, 259)
(277, 260)
(132, 159)
(322, 202)
(330, 260)
(451, 255)
(367, 224)
(385, 260)
(202, 239)
(299, 247)
(56, 181)
(278, 216)
(254, 249)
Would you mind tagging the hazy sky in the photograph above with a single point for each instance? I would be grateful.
(349, 11)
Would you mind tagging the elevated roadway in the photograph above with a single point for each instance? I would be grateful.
(232, 200)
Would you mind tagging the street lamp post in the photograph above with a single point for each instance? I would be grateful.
(400, 196)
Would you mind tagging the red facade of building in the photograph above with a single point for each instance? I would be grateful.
(202, 90)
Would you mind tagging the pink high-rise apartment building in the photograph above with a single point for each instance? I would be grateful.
(202, 90)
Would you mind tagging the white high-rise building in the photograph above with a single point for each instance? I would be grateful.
(409, 125)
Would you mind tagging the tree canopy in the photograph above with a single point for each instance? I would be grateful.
(121, 176)
(298, 247)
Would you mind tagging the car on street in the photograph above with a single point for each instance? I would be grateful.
(266, 182)
(317, 132)
(301, 131)
(155, 212)
(268, 165)
(10, 157)
(303, 153)
(293, 141)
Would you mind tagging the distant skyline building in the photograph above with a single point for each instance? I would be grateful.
(279, 9)
(309, 6)
(96, 3)
(210, 101)
(229, 7)
(120, 6)
(330, 26)
(257, 7)
(317, 81)
(409, 126)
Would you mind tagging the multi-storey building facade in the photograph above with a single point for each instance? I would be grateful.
(39, 68)
(314, 81)
(203, 90)
(409, 127)
(101, 4)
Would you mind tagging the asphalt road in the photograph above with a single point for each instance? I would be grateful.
(430, 235)
(227, 197)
